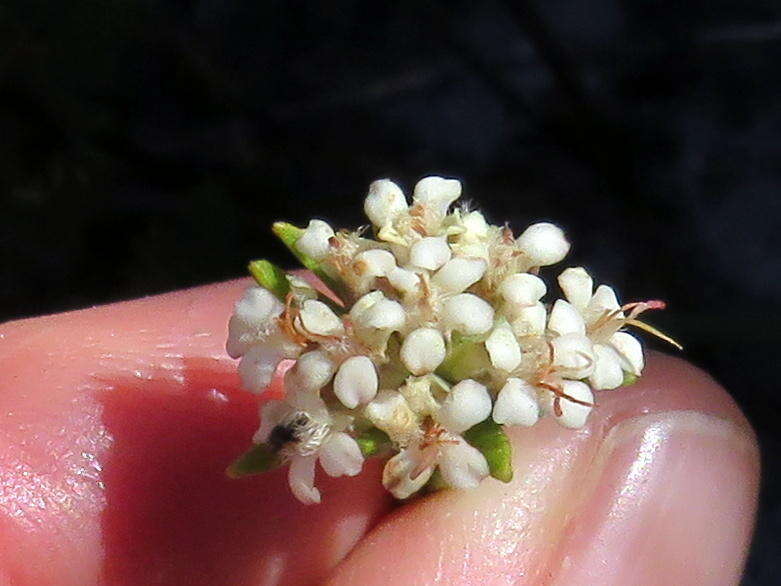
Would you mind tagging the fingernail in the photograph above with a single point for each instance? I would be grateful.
(672, 502)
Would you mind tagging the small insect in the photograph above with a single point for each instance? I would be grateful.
(298, 433)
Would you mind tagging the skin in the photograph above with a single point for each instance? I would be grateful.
(117, 422)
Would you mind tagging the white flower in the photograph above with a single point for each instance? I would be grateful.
(598, 314)
(302, 432)
(441, 445)
(573, 356)
(252, 320)
(543, 244)
(459, 273)
(255, 337)
(384, 202)
(391, 413)
(315, 241)
(375, 263)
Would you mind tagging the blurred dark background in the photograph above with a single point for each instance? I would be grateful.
(146, 146)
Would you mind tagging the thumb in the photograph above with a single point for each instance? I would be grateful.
(659, 488)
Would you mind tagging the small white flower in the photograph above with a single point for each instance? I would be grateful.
(461, 465)
(543, 244)
(430, 253)
(258, 365)
(303, 432)
(503, 348)
(573, 356)
(315, 241)
(468, 314)
(391, 413)
(423, 350)
(375, 311)
(437, 193)
(252, 320)
(517, 404)
(459, 273)
(384, 202)
(475, 228)
(601, 316)
(356, 381)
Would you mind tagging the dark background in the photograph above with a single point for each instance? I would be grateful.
(146, 146)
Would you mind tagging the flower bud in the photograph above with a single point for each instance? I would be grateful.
(423, 350)
(467, 313)
(314, 242)
(430, 253)
(252, 317)
(356, 381)
(543, 244)
(341, 455)
(384, 202)
(459, 273)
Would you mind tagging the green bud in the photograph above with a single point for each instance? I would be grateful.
(271, 277)
(372, 441)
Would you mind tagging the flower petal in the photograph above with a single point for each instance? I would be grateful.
(257, 366)
(462, 466)
(467, 404)
(341, 455)
(301, 477)
(543, 244)
(430, 253)
(577, 285)
(436, 193)
(522, 289)
(314, 242)
(573, 355)
(356, 381)
(503, 348)
(317, 318)
(459, 273)
(384, 202)
(607, 373)
(565, 319)
(517, 404)
(397, 475)
(423, 350)
(467, 313)
(630, 350)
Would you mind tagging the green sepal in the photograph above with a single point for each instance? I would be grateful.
(271, 277)
(489, 437)
(629, 378)
(259, 458)
(372, 441)
(466, 358)
(289, 235)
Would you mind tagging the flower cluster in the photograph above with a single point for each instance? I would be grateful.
(435, 337)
